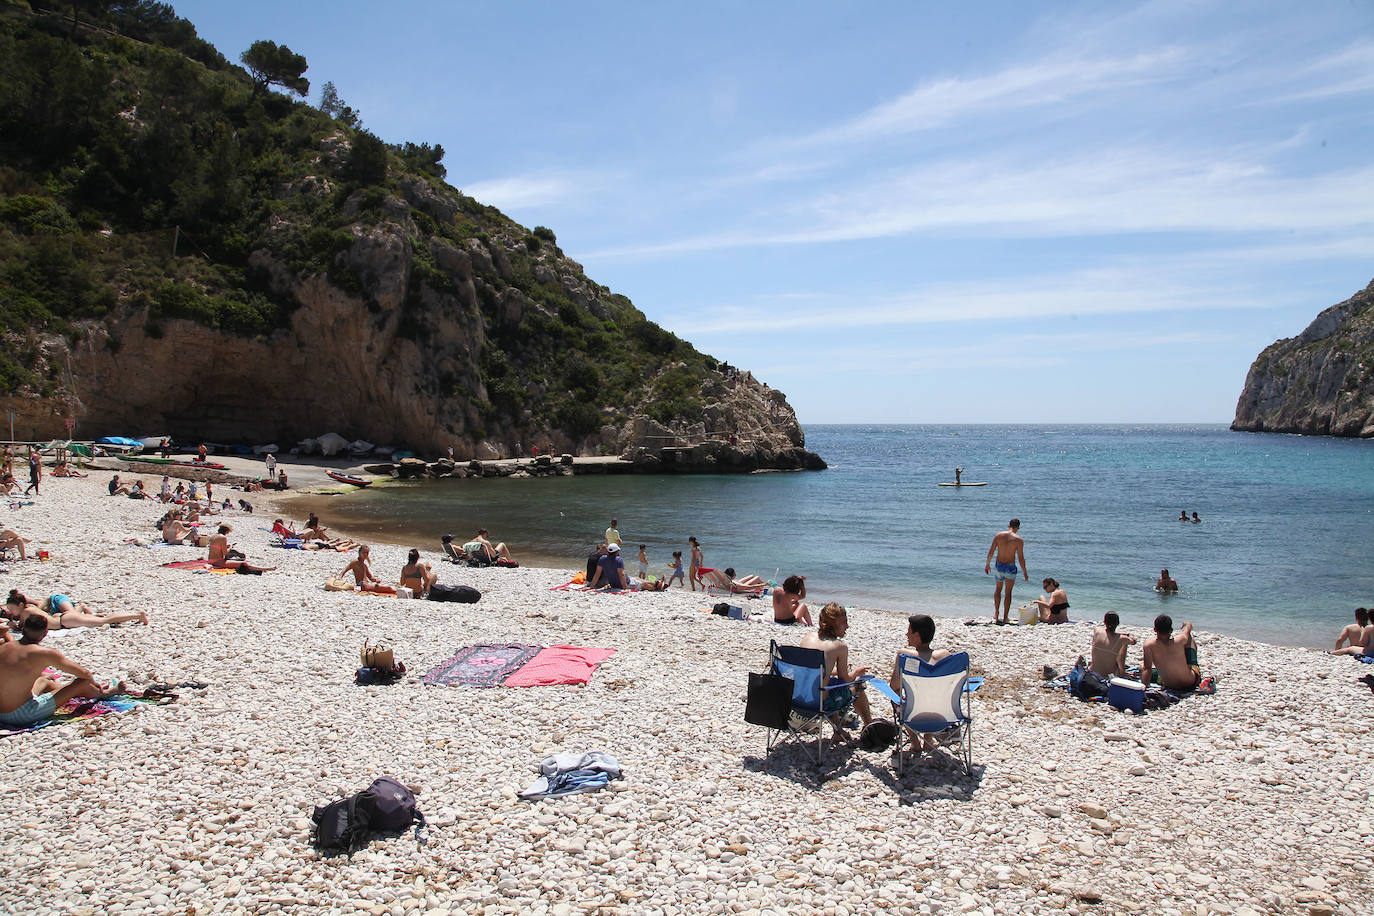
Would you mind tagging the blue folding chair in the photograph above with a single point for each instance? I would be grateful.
(806, 669)
(935, 702)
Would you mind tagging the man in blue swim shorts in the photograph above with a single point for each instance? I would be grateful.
(1008, 547)
(26, 696)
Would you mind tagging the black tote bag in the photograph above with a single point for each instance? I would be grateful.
(769, 700)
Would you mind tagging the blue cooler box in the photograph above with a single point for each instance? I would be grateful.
(1126, 694)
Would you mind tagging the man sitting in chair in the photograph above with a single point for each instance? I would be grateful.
(829, 638)
(920, 633)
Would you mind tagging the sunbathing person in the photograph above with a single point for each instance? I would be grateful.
(1109, 647)
(726, 581)
(27, 697)
(417, 576)
(222, 556)
(117, 488)
(61, 613)
(450, 552)
(788, 607)
(280, 529)
(64, 469)
(1171, 661)
(10, 540)
(362, 574)
(829, 638)
(138, 492)
(175, 532)
(1361, 642)
(1054, 607)
(1165, 582)
(313, 529)
(483, 550)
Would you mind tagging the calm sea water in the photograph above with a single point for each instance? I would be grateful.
(1284, 552)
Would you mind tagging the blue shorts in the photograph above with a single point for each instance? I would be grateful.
(35, 710)
(1004, 571)
(838, 699)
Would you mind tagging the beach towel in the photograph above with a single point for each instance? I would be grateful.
(187, 564)
(484, 665)
(560, 665)
(86, 708)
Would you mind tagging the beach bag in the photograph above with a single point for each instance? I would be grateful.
(377, 657)
(461, 593)
(337, 585)
(507, 564)
(385, 807)
(1085, 683)
(769, 700)
(384, 676)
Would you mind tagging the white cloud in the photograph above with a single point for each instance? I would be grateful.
(518, 191)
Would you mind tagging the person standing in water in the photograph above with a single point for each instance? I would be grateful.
(1008, 547)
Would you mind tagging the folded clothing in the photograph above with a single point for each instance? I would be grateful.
(560, 665)
(573, 772)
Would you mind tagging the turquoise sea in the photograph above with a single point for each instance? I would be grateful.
(1284, 552)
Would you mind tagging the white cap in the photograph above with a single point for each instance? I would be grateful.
(612, 548)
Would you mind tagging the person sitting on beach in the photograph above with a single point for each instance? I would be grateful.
(1109, 647)
(1171, 661)
(788, 607)
(417, 576)
(1165, 582)
(117, 488)
(27, 697)
(280, 530)
(175, 532)
(222, 557)
(313, 529)
(726, 581)
(1359, 635)
(244, 506)
(362, 574)
(920, 633)
(610, 570)
(829, 638)
(193, 492)
(450, 552)
(64, 468)
(179, 494)
(10, 540)
(166, 492)
(61, 613)
(138, 492)
(1054, 606)
(482, 549)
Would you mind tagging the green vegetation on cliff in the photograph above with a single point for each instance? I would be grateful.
(146, 175)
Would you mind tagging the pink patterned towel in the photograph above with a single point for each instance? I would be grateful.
(560, 665)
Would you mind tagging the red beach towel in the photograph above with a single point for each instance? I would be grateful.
(560, 665)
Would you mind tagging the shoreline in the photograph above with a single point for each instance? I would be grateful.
(1214, 802)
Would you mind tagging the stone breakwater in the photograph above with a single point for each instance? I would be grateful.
(1221, 804)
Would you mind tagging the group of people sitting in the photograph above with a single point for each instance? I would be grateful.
(479, 551)
(1357, 638)
(1169, 660)
(417, 576)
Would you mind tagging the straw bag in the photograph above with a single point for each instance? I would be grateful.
(337, 585)
(377, 657)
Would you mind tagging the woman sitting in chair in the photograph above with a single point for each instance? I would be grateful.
(829, 638)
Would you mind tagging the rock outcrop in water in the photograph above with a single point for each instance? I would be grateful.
(1320, 382)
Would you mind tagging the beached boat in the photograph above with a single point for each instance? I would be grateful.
(176, 462)
(341, 477)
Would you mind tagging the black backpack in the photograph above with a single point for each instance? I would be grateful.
(462, 593)
(386, 807)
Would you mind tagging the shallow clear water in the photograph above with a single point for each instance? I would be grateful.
(1283, 553)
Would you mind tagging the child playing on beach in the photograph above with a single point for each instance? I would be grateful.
(676, 567)
(643, 563)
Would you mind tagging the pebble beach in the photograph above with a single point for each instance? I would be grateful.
(1250, 801)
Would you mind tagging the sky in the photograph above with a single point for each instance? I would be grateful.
(903, 212)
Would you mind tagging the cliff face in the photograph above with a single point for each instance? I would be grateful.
(1320, 382)
(184, 254)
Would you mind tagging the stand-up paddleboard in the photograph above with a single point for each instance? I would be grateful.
(983, 483)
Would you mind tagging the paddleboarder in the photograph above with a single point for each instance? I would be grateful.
(958, 472)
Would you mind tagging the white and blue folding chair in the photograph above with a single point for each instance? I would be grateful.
(806, 669)
(935, 704)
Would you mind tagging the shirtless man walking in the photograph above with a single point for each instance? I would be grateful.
(1008, 547)
(26, 696)
(1109, 647)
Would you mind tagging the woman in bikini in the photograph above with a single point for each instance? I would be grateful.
(64, 614)
(1055, 607)
(417, 576)
(788, 607)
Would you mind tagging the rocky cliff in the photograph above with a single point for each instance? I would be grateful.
(1320, 382)
(182, 253)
